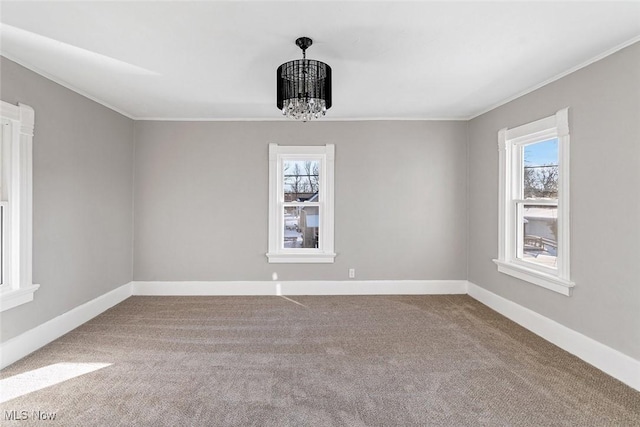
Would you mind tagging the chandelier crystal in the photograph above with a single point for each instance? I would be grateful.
(304, 86)
(305, 110)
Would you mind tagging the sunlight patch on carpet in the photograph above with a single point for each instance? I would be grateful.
(37, 379)
(293, 301)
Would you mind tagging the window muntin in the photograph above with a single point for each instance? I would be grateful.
(534, 202)
(301, 204)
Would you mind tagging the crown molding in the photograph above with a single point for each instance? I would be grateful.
(558, 76)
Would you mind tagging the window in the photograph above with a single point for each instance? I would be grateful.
(301, 204)
(15, 205)
(534, 203)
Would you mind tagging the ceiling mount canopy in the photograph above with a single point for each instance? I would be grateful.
(304, 86)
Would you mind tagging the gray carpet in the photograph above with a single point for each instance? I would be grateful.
(323, 361)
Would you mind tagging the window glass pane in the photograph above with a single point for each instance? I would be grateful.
(2, 212)
(301, 226)
(540, 173)
(301, 180)
(539, 227)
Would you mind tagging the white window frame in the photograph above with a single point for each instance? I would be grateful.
(16, 164)
(511, 159)
(278, 154)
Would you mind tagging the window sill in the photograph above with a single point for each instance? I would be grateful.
(14, 297)
(530, 275)
(299, 258)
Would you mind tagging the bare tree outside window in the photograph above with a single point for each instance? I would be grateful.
(293, 180)
(312, 173)
(301, 179)
(541, 182)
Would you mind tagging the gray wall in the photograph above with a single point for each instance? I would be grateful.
(604, 120)
(82, 198)
(201, 197)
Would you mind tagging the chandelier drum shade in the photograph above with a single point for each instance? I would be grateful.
(304, 86)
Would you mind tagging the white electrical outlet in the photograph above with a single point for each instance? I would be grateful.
(352, 273)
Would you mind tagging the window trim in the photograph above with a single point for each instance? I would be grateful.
(20, 288)
(509, 143)
(325, 253)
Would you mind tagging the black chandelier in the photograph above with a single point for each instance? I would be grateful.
(304, 86)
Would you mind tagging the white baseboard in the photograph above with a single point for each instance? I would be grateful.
(18, 347)
(320, 287)
(608, 360)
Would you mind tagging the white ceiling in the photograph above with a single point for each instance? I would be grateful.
(217, 60)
